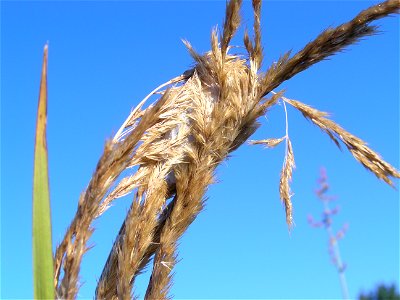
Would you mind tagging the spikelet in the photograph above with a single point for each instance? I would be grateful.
(358, 148)
(269, 143)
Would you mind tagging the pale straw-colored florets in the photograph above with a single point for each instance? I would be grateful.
(173, 147)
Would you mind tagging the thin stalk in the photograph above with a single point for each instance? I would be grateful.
(336, 252)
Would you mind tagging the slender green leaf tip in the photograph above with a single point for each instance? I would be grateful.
(42, 247)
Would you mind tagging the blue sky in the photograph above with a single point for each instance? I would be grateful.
(104, 57)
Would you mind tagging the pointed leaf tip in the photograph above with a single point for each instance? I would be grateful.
(42, 245)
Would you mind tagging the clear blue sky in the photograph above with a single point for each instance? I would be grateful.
(104, 57)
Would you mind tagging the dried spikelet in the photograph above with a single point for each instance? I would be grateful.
(265, 105)
(107, 285)
(248, 124)
(114, 160)
(272, 77)
(138, 112)
(139, 220)
(248, 44)
(366, 156)
(166, 144)
(329, 42)
(130, 122)
(257, 55)
(162, 142)
(231, 24)
(140, 224)
(286, 177)
(192, 180)
(269, 143)
(215, 122)
(124, 187)
(197, 57)
(122, 275)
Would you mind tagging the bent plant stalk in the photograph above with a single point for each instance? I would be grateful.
(174, 146)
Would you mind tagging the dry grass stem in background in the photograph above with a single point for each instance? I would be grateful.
(172, 148)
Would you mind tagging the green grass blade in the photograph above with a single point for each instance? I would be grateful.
(42, 248)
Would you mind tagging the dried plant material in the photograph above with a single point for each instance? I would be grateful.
(367, 157)
(124, 187)
(218, 79)
(257, 53)
(137, 113)
(170, 151)
(107, 285)
(140, 225)
(231, 24)
(248, 43)
(288, 165)
(329, 42)
(113, 161)
(269, 143)
(164, 142)
(191, 187)
(284, 187)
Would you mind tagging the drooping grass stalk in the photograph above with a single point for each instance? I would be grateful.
(326, 222)
(173, 147)
(329, 42)
(213, 63)
(41, 234)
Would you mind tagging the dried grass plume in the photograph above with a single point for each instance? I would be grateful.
(171, 148)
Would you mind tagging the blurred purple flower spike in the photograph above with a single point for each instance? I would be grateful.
(326, 221)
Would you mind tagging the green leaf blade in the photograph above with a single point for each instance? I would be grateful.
(42, 246)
